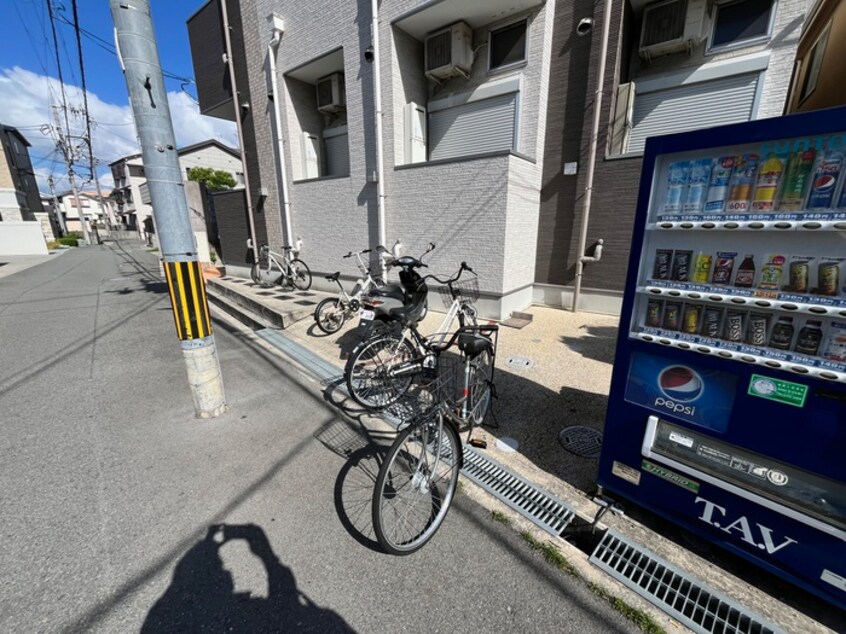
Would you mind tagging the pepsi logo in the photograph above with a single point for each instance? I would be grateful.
(680, 384)
(824, 182)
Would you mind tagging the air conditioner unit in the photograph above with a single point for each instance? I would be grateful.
(330, 93)
(449, 52)
(672, 26)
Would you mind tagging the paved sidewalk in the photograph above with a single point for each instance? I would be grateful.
(553, 374)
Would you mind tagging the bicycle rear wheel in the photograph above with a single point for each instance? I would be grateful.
(415, 486)
(263, 274)
(300, 275)
(479, 397)
(330, 315)
(369, 371)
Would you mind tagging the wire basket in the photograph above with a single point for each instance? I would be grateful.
(466, 291)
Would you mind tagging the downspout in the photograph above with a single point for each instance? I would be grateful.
(237, 107)
(594, 138)
(272, 49)
(377, 98)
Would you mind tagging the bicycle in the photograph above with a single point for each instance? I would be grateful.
(418, 477)
(279, 268)
(331, 313)
(368, 372)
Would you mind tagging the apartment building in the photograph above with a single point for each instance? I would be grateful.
(486, 120)
(19, 197)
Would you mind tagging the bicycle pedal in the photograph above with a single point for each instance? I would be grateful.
(478, 442)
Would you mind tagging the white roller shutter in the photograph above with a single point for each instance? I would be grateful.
(486, 125)
(701, 105)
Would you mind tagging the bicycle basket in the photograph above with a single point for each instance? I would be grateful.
(465, 290)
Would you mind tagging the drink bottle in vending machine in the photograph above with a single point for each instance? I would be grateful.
(727, 408)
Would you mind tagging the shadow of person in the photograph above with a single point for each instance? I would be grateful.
(202, 595)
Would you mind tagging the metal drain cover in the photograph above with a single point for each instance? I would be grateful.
(521, 363)
(580, 440)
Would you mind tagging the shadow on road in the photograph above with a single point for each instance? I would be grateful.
(203, 596)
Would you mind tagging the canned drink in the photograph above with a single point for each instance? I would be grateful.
(663, 259)
(757, 335)
(672, 316)
(691, 319)
(676, 183)
(796, 177)
(711, 322)
(799, 274)
(718, 185)
(825, 181)
(829, 278)
(653, 313)
(734, 326)
(681, 265)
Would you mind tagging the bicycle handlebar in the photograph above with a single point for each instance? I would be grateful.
(350, 254)
(452, 280)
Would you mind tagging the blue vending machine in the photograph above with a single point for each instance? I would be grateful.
(727, 410)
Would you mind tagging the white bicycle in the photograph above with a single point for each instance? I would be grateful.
(280, 268)
(331, 314)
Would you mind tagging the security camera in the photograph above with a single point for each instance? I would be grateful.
(368, 55)
(585, 26)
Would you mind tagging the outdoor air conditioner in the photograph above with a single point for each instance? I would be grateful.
(449, 52)
(330, 93)
(672, 26)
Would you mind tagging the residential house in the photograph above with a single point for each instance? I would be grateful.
(89, 209)
(131, 192)
(19, 197)
(820, 59)
(485, 113)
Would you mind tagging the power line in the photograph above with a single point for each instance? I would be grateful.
(59, 65)
(84, 89)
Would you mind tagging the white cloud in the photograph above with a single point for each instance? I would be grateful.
(25, 103)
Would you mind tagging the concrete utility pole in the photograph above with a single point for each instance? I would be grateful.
(67, 153)
(57, 213)
(139, 57)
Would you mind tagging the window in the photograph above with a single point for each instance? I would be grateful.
(507, 46)
(809, 82)
(741, 23)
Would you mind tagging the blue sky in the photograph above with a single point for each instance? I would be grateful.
(29, 84)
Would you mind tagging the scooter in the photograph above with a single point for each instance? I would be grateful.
(394, 304)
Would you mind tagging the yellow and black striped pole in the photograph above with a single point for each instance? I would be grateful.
(187, 289)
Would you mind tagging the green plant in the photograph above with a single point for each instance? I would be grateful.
(213, 256)
(69, 241)
(640, 618)
(499, 516)
(551, 554)
(52, 245)
(213, 179)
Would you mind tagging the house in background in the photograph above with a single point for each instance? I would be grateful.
(486, 113)
(820, 69)
(131, 194)
(92, 209)
(19, 197)
(20, 201)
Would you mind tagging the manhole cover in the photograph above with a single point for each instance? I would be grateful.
(580, 440)
(521, 363)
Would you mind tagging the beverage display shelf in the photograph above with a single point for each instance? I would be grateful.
(776, 360)
(748, 225)
(747, 298)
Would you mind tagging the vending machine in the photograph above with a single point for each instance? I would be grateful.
(727, 409)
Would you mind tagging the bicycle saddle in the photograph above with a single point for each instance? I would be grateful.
(334, 277)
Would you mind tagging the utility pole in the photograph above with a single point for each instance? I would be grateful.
(67, 152)
(139, 56)
(60, 221)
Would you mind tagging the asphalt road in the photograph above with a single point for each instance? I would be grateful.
(122, 512)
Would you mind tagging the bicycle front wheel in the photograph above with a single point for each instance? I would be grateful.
(330, 315)
(415, 486)
(371, 375)
(300, 275)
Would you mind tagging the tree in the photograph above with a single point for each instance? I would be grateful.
(213, 179)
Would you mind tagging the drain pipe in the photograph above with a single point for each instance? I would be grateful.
(237, 107)
(377, 98)
(594, 137)
(278, 27)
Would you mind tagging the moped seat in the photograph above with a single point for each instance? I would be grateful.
(394, 291)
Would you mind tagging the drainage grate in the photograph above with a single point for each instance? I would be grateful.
(521, 363)
(534, 504)
(580, 440)
(679, 595)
